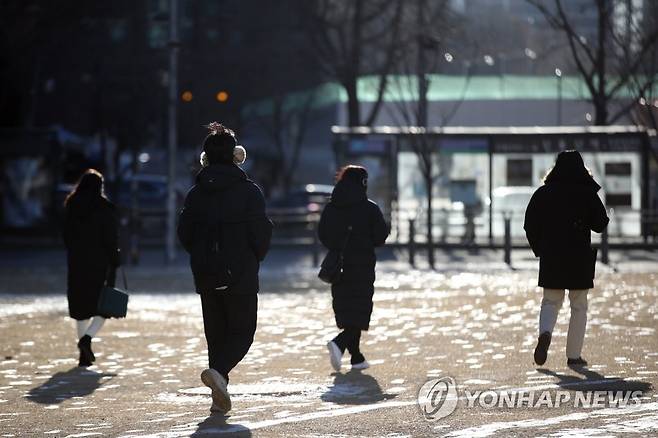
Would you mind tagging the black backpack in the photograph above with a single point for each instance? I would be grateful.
(210, 260)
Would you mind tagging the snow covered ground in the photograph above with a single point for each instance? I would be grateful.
(478, 328)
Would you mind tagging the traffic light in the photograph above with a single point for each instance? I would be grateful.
(186, 96)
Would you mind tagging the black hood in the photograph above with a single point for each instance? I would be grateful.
(82, 206)
(348, 192)
(570, 169)
(219, 177)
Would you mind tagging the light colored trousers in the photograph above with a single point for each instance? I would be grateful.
(550, 307)
(85, 328)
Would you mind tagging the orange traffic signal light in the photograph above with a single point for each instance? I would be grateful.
(222, 96)
(186, 96)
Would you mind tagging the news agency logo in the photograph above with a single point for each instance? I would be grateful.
(437, 398)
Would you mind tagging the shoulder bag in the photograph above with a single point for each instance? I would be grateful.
(113, 302)
(331, 269)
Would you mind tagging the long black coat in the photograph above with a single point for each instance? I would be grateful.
(558, 221)
(91, 236)
(223, 194)
(352, 295)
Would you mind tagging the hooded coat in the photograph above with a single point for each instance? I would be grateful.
(91, 230)
(223, 195)
(558, 221)
(352, 294)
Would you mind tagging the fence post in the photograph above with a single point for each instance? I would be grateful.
(508, 239)
(605, 259)
(412, 242)
(316, 244)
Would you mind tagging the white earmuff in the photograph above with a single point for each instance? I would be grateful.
(239, 155)
(203, 159)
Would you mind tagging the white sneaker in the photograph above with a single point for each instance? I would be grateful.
(220, 398)
(335, 355)
(361, 366)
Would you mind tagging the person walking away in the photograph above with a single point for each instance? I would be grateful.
(91, 230)
(353, 222)
(224, 228)
(558, 221)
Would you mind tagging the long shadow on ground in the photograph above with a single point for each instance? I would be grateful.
(76, 382)
(355, 388)
(216, 425)
(592, 381)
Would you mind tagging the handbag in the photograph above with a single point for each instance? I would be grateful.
(113, 302)
(331, 269)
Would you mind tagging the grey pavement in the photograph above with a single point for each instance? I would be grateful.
(38, 270)
(471, 321)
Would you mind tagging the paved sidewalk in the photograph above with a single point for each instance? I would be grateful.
(44, 271)
(478, 328)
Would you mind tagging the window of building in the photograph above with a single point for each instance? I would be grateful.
(618, 174)
(118, 30)
(519, 172)
(618, 199)
(622, 168)
(158, 24)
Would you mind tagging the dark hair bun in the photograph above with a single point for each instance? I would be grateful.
(219, 143)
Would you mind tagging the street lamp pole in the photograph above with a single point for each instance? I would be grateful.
(173, 130)
(558, 74)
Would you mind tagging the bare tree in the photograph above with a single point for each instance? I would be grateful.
(644, 86)
(433, 24)
(614, 58)
(353, 38)
(285, 87)
(287, 126)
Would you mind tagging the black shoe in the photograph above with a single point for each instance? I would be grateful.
(578, 362)
(86, 355)
(83, 361)
(541, 350)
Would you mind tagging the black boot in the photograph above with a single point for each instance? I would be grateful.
(576, 363)
(86, 355)
(541, 350)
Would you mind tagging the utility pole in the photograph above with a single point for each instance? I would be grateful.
(173, 130)
(558, 75)
(425, 145)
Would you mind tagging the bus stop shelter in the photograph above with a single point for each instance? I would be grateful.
(482, 166)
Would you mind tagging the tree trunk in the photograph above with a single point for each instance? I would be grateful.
(600, 112)
(600, 101)
(421, 66)
(430, 234)
(354, 68)
(353, 110)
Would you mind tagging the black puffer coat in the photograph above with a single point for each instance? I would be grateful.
(352, 295)
(91, 236)
(558, 221)
(223, 193)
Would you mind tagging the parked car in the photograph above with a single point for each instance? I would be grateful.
(510, 202)
(151, 192)
(298, 210)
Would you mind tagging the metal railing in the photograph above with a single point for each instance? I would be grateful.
(451, 230)
(513, 235)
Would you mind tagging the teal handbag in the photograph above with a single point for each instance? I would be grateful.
(113, 302)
